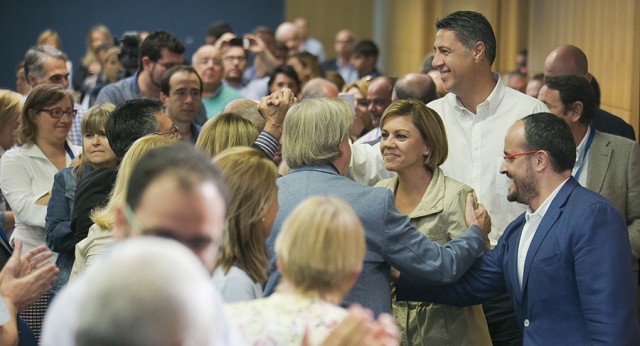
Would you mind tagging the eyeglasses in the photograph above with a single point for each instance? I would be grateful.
(173, 133)
(57, 113)
(363, 102)
(512, 157)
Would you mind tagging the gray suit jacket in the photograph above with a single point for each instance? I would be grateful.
(614, 172)
(390, 238)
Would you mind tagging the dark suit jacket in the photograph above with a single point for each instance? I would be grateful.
(576, 287)
(390, 238)
(606, 122)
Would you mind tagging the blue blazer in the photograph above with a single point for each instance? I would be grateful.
(576, 286)
(390, 238)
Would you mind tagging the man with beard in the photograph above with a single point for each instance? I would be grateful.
(565, 262)
(181, 94)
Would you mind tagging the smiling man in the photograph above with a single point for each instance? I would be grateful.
(477, 113)
(565, 263)
(181, 94)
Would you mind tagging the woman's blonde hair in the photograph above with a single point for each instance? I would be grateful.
(428, 122)
(112, 51)
(92, 122)
(250, 178)
(40, 97)
(104, 217)
(225, 131)
(10, 106)
(90, 55)
(321, 245)
(46, 35)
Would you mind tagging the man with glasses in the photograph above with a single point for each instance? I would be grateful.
(158, 52)
(215, 95)
(565, 263)
(130, 120)
(47, 65)
(477, 113)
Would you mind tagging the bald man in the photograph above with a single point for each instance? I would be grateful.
(415, 86)
(571, 60)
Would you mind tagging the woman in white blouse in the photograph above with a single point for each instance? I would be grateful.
(43, 150)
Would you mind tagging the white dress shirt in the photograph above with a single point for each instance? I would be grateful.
(582, 160)
(476, 147)
(530, 227)
(26, 175)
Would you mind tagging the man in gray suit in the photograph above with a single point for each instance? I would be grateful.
(315, 145)
(606, 164)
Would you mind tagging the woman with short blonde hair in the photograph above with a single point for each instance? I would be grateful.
(314, 279)
(225, 131)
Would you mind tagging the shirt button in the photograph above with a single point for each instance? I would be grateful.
(526, 322)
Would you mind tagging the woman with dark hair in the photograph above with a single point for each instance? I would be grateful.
(414, 144)
(284, 76)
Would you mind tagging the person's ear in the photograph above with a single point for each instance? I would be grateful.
(576, 111)
(146, 63)
(120, 224)
(479, 51)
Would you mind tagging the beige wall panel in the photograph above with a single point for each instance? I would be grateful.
(606, 32)
(326, 17)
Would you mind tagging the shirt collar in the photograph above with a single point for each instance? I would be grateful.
(581, 147)
(492, 102)
(542, 210)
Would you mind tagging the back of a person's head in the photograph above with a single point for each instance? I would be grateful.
(415, 86)
(179, 161)
(312, 131)
(105, 217)
(250, 178)
(317, 88)
(148, 291)
(131, 120)
(470, 28)
(365, 48)
(10, 106)
(315, 225)
(247, 109)
(225, 131)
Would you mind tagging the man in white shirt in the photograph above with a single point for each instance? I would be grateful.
(477, 113)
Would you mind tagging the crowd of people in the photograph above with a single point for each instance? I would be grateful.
(317, 201)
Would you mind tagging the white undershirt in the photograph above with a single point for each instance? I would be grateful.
(530, 227)
(582, 179)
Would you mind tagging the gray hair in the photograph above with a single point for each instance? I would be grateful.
(318, 87)
(312, 131)
(137, 297)
(34, 60)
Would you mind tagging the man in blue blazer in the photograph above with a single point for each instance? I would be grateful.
(315, 145)
(565, 263)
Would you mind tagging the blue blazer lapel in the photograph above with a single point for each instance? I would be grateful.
(512, 265)
(549, 219)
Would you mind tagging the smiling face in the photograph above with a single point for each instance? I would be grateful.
(51, 129)
(453, 60)
(401, 144)
(519, 169)
(96, 148)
